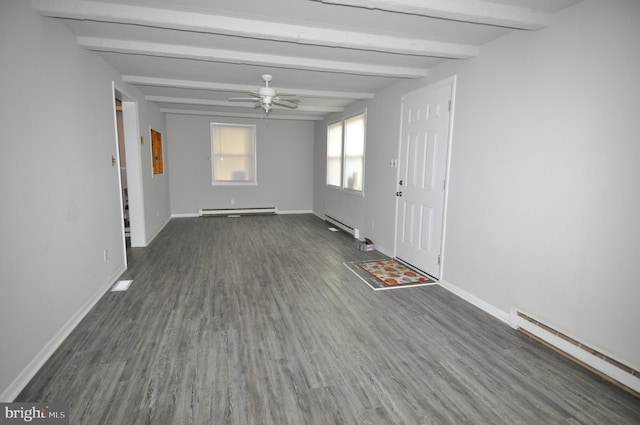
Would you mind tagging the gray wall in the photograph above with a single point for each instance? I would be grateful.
(60, 194)
(285, 166)
(544, 203)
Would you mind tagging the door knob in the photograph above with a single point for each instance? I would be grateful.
(401, 182)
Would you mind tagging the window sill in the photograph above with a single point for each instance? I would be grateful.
(354, 193)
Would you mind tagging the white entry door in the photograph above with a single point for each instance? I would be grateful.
(422, 170)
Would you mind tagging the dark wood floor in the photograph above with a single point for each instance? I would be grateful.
(256, 320)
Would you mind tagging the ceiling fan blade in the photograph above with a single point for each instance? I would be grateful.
(242, 99)
(286, 103)
(289, 98)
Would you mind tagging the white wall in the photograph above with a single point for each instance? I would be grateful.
(544, 205)
(157, 205)
(60, 193)
(284, 166)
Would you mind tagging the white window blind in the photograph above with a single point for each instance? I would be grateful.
(334, 154)
(345, 153)
(354, 153)
(233, 154)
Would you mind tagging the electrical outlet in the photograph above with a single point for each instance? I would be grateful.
(233, 202)
(106, 255)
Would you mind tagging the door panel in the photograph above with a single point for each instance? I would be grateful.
(408, 218)
(422, 172)
(426, 227)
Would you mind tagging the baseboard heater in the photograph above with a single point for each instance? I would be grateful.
(225, 212)
(592, 359)
(344, 226)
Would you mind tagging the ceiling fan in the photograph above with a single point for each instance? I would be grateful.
(265, 97)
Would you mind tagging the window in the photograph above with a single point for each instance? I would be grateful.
(233, 154)
(345, 153)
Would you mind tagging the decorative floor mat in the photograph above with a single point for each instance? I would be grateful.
(388, 273)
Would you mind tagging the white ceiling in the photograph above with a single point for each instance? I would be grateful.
(190, 56)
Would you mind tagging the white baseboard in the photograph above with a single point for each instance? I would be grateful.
(295, 212)
(13, 390)
(185, 215)
(587, 355)
(584, 357)
(481, 304)
(197, 214)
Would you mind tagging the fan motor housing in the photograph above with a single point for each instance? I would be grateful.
(266, 91)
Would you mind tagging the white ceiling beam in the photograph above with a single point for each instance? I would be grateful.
(237, 57)
(475, 11)
(227, 87)
(252, 28)
(210, 102)
(272, 116)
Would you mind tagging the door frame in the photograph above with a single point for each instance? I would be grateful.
(134, 168)
(446, 81)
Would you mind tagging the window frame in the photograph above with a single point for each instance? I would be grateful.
(254, 163)
(343, 122)
(340, 158)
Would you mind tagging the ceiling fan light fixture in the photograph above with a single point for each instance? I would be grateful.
(265, 97)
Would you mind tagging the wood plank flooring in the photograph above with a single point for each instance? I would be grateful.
(256, 320)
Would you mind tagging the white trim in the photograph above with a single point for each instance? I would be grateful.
(208, 54)
(503, 316)
(582, 355)
(348, 192)
(261, 116)
(478, 11)
(23, 378)
(207, 102)
(222, 212)
(278, 212)
(450, 80)
(251, 28)
(118, 156)
(140, 80)
(185, 215)
(295, 212)
(133, 154)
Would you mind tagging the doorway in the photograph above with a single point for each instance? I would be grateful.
(129, 153)
(422, 176)
(122, 157)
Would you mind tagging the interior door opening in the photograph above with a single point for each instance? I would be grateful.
(122, 156)
(129, 156)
